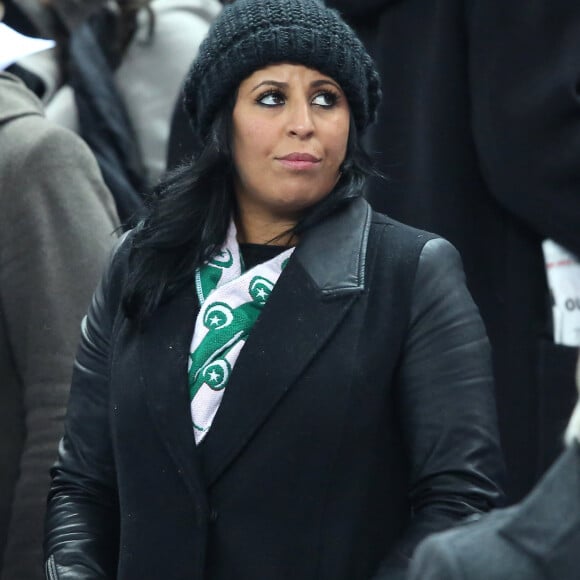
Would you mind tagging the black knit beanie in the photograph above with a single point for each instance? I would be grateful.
(252, 34)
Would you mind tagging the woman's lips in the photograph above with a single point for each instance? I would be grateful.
(299, 161)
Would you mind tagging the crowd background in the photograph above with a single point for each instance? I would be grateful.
(479, 134)
(478, 138)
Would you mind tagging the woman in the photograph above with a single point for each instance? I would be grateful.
(359, 415)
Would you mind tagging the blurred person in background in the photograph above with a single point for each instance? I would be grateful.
(57, 220)
(114, 78)
(125, 62)
(479, 135)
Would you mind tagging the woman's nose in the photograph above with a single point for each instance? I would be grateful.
(300, 120)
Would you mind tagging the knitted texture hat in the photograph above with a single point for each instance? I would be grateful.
(251, 34)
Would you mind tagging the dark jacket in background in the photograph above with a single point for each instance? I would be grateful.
(536, 540)
(358, 419)
(479, 134)
(103, 118)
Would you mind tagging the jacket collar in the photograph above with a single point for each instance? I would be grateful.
(344, 236)
(546, 525)
(311, 297)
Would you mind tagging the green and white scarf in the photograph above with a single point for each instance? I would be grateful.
(230, 303)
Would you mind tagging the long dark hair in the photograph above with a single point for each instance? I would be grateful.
(188, 215)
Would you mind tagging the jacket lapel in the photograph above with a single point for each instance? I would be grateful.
(165, 343)
(310, 299)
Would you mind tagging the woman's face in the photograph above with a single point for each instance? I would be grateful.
(290, 132)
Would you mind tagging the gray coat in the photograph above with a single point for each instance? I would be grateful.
(537, 539)
(56, 224)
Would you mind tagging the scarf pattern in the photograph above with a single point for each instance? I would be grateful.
(231, 301)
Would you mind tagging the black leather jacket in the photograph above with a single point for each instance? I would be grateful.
(359, 418)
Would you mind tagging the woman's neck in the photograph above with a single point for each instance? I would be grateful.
(256, 229)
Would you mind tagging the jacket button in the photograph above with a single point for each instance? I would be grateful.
(213, 516)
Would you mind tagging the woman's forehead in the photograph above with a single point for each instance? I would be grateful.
(287, 72)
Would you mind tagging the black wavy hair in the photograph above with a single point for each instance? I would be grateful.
(188, 214)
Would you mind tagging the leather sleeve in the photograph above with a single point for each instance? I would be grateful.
(82, 521)
(446, 404)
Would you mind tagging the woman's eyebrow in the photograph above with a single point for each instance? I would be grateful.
(322, 82)
(283, 85)
(278, 84)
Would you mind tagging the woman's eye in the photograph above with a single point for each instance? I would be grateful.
(272, 99)
(325, 99)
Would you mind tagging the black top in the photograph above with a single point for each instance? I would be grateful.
(254, 254)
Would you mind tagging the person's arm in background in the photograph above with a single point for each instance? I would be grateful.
(525, 94)
(479, 550)
(57, 229)
(436, 559)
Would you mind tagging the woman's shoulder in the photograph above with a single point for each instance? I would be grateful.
(411, 246)
(391, 230)
(405, 229)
